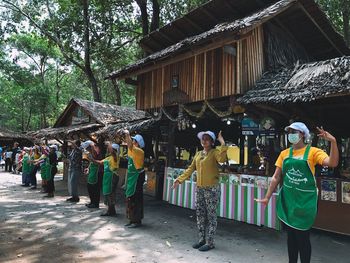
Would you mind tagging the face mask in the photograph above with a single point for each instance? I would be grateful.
(293, 138)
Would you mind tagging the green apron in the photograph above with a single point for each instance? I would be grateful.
(132, 176)
(93, 173)
(43, 170)
(26, 167)
(107, 178)
(297, 200)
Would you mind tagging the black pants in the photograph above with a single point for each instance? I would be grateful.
(32, 176)
(298, 243)
(8, 165)
(94, 191)
(50, 187)
(135, 203)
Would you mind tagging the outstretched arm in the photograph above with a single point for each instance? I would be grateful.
(276, 178)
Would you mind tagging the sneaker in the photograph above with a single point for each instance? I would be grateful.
(128, 224)
(198, 245)
(50, 195)
(206, 248)
(33, 188)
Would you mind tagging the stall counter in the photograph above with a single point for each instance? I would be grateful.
(238, 192)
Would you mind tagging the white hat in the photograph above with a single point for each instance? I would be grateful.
(86, 144)
(115, 147)
(210, 133)
(299, 126)
(139, 139)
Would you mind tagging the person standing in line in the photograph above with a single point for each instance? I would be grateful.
(51, 171)
(135, 179)
(26, 167)
(95, 174)
(74, 171)
(110, 177)
(298, 197)
(15, 151)
(34, 156)
(8, 163)
(206, 163)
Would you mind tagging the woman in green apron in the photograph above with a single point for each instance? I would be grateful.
(95, 174)
(297, 200)
(110, 177)
(134, 180)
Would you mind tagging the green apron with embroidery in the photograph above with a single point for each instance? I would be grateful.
(297, 200)
(93, 173)
(107, 178)
(132, 177)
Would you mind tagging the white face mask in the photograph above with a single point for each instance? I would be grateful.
(294, 138)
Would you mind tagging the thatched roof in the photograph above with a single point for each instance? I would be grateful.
(306, 12)
(10, 135)
(64, 132)
(138, 125)
(101, 112)
(303, 83)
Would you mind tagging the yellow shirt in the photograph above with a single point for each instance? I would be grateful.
(316, 156)
(206, 166)
(113, 164)
(138, 156)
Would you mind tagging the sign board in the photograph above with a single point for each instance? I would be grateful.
(267, 127)
(250, 127)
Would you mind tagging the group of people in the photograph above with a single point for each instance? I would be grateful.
(30, 160)
(102, 175)
(295, 170)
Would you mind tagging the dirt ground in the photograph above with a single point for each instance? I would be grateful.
(33, 229)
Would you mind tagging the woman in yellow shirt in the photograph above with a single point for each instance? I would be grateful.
(297, 200)
(110, 177)
(205, 162)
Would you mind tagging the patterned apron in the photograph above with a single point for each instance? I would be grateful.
(297, 200)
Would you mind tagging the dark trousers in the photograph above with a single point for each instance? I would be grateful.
(298, 243)
(50, 187)
(135, 203)
(8, 165)
(94, 191)
(33, 181)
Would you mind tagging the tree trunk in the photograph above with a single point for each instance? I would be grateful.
(87, 61)
(144, 16)
(29, 118)
(118, 99)
(155, 16)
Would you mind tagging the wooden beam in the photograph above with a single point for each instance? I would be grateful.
(319, 28)
(273, 109)
(194, 24)
(210, 15)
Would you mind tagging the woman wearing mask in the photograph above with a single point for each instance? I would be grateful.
(110, 177)
(297, 200)
(205, 162)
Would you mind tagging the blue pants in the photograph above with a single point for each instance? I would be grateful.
(26, 178)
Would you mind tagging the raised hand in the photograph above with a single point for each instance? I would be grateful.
(221, 139)
(325, 135)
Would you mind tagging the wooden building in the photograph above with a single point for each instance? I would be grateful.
(232, 59)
